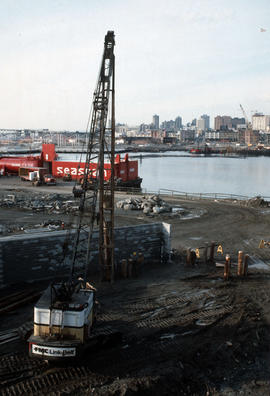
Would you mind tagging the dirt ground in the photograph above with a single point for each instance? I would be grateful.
(185, 331)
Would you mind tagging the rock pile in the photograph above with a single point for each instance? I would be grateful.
(149, 205)
(257, 202)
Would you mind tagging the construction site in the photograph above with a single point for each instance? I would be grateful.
(107, 292)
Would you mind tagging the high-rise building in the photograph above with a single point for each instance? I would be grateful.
(237, 121)
(200, 124)
(168, 125)
(178, 123)
(223, 122)
(260, 122)
(207, 121)
(156, 121)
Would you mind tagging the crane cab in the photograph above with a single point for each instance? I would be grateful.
(63, 320)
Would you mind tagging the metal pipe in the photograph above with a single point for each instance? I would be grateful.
(240, 263)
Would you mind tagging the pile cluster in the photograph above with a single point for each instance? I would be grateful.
(153, 204)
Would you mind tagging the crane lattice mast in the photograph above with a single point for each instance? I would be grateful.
(99, 201)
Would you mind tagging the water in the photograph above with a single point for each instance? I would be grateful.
(198, 174)
(240, 176)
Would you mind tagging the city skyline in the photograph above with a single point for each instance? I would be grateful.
(193, 58)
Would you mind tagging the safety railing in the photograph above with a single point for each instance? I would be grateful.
(190, 195)
(213, 196)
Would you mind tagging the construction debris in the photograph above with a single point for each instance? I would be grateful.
(50, 203)
(45, 204)
(152, 204)
(257, 202)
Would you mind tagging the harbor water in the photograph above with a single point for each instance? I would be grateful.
(198, 174)
(201, 174)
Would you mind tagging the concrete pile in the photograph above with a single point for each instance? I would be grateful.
(149, 205)
(50, 203)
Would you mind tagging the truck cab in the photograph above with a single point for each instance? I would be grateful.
(49, 179)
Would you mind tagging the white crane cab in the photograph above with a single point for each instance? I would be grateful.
(63, 320)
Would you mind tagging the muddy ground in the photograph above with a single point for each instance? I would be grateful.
(184, 330)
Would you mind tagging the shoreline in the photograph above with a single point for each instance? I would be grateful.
(155, 149)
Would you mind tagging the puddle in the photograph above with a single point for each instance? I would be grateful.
(195, 238)
(152, 314)
(193, 215)
(168, 336)
(205, 322)
(257, 263)
(177, 209)
(36, 230)
(209, 304)
(265, 211)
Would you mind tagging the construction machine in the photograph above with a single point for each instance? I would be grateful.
(67, 177)
(65, 314)
(247, 122)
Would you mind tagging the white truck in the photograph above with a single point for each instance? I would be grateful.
(37, 176)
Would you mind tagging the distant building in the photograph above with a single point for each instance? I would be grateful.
(203, 123)
(206, 118)
(266, 138)
(137, 140)
(155, 121)
(251, 137)
(200, 124)
(143, 127)
(178, 123)
(157, 134)
(194, 122)
(120, 130)
(238, 122)
(168, 125)
(187, 135)
(260, 122)
(223, 122)
(222, 135)
(169, 140)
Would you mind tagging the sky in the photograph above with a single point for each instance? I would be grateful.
(173, 58)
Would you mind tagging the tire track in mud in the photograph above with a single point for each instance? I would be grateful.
(45, 383)
(15, 367)
(227, 224)
(21, 375)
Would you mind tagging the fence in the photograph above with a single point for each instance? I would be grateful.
(190, 196)
(217, 196)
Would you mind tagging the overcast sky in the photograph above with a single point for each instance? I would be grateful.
(173, 57)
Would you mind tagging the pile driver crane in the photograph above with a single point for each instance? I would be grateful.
(101, 139)
(64, 315)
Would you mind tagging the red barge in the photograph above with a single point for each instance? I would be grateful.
(126, 171)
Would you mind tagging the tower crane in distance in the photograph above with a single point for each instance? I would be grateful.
(248, 124)
(65, 313)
